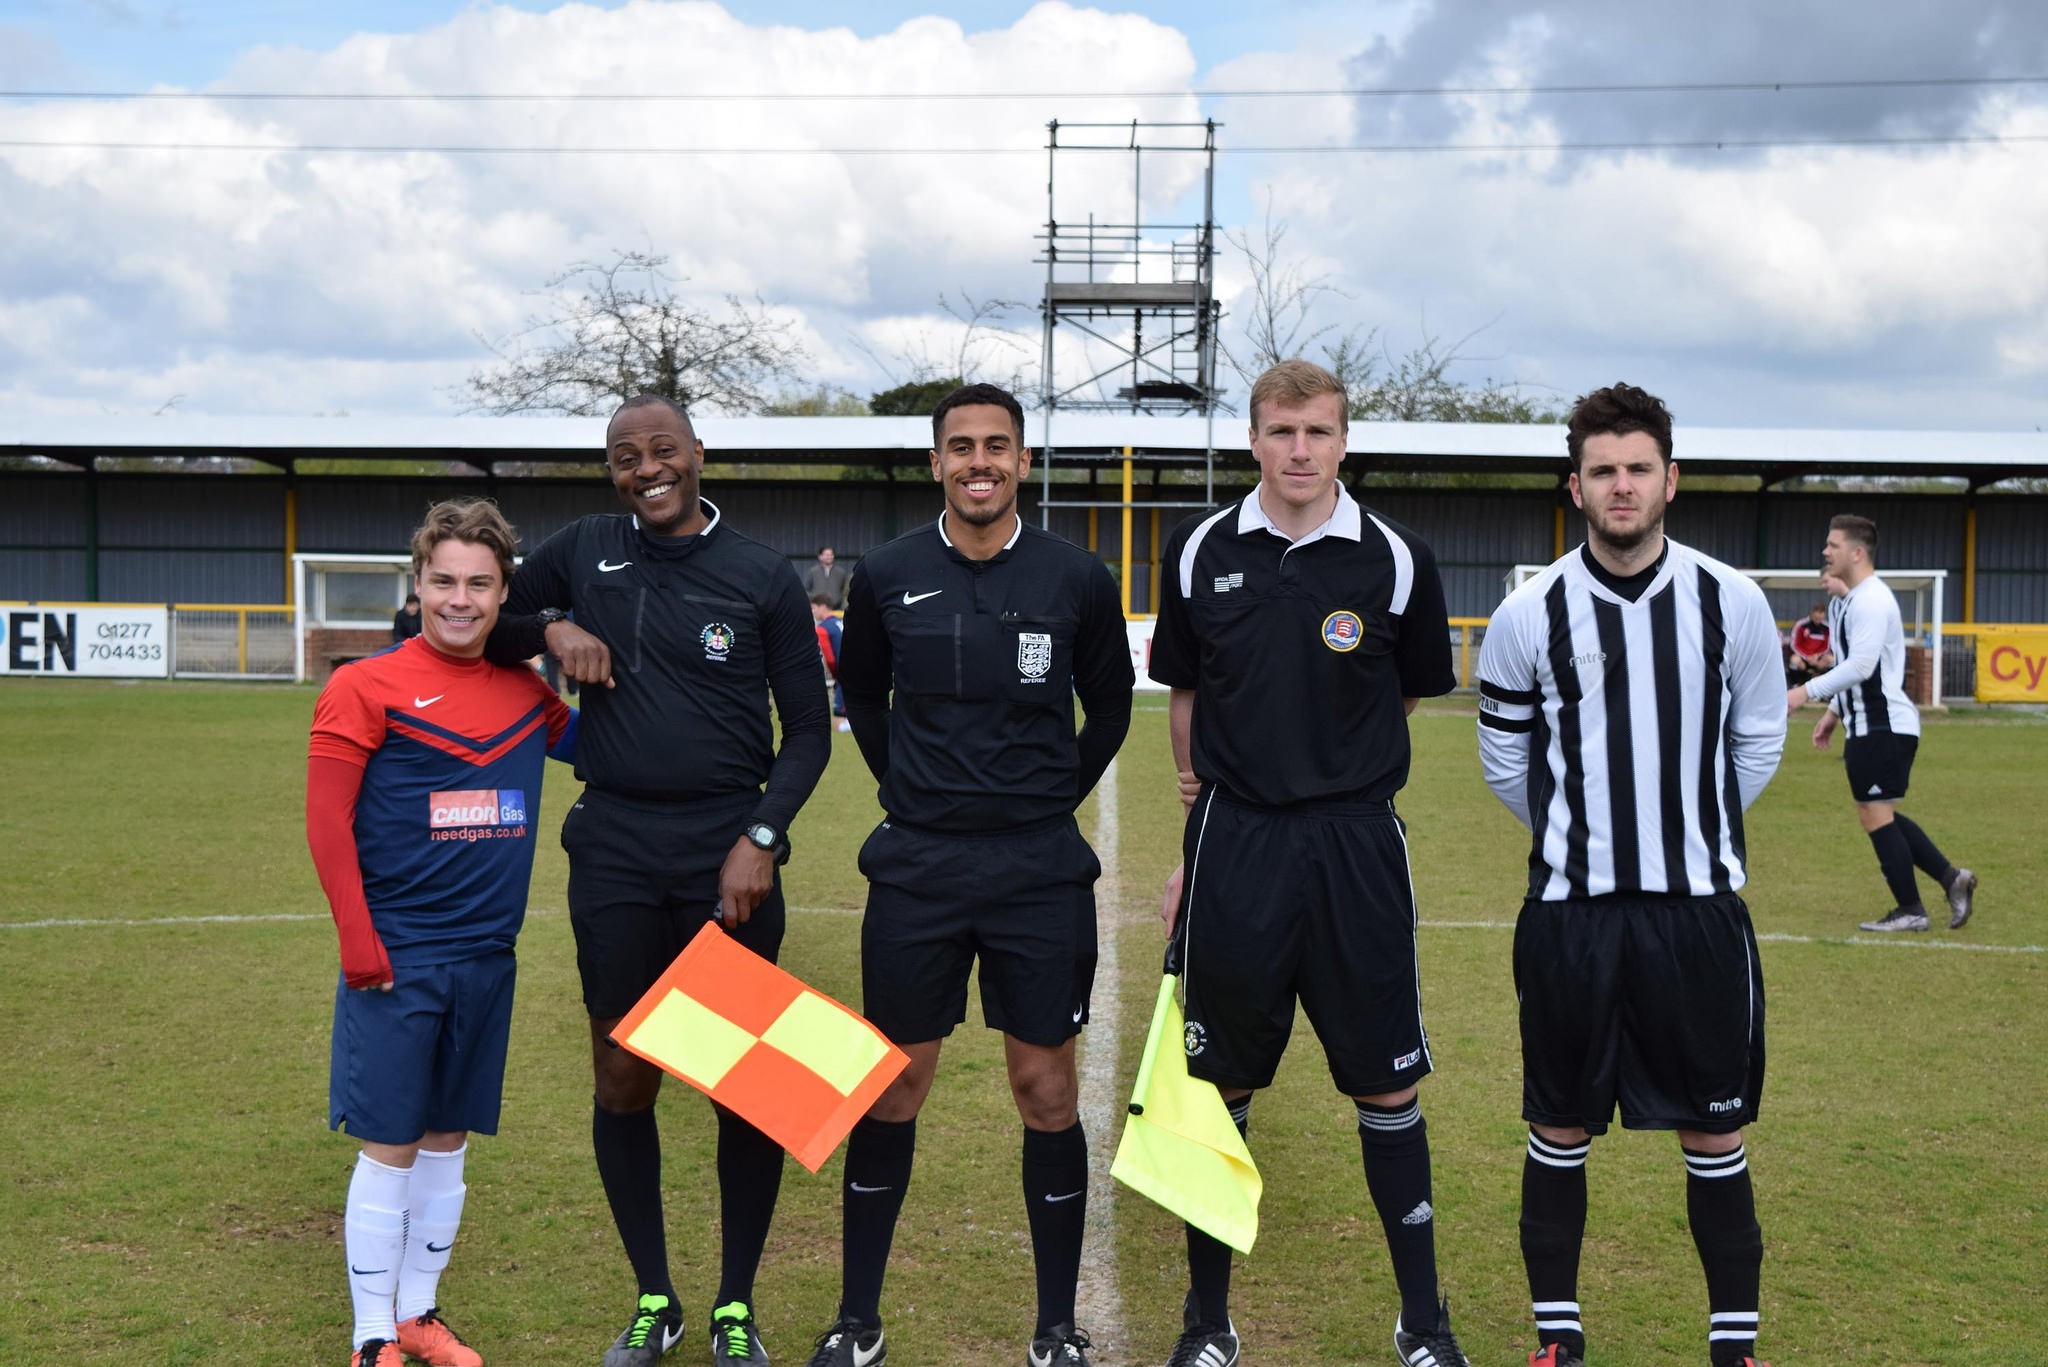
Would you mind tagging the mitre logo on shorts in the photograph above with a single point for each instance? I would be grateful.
(1342, 631)
(1034, 656)
(1193, 1038)
(717, 639)
(1733, 1103)
(476, 813)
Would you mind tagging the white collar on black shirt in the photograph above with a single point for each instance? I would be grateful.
(1345, 519)
(1015, 532)
(705, 530)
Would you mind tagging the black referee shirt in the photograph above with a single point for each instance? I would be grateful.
(985, 657)
(702, 629)
(1300, 654)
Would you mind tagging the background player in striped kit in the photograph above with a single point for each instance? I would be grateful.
(1866, 696)
(1629, 714)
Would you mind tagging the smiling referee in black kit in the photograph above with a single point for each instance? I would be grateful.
(985, 630)
(1296, 631)
(683, 629)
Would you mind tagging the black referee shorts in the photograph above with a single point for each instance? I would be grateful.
(1310, 902)
(1879, 765)
(1024, 902)
(1654, 1002)
(643, 879)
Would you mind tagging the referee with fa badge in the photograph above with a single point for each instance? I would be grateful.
(984, 630)
(1630, 712)
(683, 630)
(1296, 631)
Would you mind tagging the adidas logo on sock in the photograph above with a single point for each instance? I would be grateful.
(1421, 1215)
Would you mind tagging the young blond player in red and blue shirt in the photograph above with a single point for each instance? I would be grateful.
(422, 783)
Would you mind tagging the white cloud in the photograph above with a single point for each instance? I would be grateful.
(312, 256)
(1815, 285)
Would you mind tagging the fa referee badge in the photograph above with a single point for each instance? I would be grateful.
(1179, 1146)
(1034, 654)
(792, 1062)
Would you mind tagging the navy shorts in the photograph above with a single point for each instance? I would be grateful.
(427, 1055)
(1310, 902)
(1879, 766)
(643, 880)
(1023, 902)
(1655, 1003)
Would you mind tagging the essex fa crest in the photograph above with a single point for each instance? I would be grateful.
(1034, 655)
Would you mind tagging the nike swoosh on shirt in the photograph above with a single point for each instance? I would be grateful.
(606, 566)
(428, 702)
(909, 598)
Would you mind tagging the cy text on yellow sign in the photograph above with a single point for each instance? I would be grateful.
(2012, 666)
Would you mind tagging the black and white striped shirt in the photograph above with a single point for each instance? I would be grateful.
(1629, 736)
(1867, 686)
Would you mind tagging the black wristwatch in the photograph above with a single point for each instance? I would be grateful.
(765, 836)
(547, 617)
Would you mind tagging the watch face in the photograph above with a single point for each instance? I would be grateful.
(762, 834)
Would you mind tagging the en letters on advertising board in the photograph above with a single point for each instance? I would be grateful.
(85, 642)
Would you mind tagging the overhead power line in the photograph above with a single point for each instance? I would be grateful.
(866, 96)
(639, 150)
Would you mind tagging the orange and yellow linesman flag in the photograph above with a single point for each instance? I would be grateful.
(1179, 1147)
(789, 1060)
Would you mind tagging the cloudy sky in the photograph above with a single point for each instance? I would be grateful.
(1865, 246)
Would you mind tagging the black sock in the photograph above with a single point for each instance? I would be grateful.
(1395, 1142)
(628, 1148)
(1553, 1231)
(1896, 860)
(1926, 858)
(1721, 1205)
(749, 1178)
(1208, 1301)
(878, 1159)
(1056, 1205)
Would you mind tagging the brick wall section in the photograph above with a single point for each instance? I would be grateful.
(327, 647)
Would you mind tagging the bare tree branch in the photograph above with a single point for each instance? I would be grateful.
(1414, 386)
(984, 346)
(613, 330)
(1278, 321)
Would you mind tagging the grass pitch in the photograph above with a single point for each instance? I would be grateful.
(172, 1194)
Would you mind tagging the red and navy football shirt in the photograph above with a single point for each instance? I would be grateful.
(452, 752)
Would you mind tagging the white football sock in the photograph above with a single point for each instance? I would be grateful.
(374, 1236)
(435, 1205)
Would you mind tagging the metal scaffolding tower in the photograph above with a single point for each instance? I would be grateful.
(1145, 292)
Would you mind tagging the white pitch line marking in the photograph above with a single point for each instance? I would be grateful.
(1787, 938)
(1105, 839)
(64, 923)
(1098, 1301)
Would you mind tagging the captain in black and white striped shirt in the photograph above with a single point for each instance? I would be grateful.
(1630, 711)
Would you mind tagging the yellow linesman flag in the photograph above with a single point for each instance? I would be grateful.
(788, 1059)
(1179, 1147)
